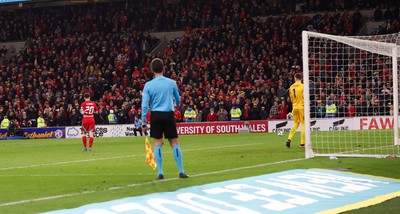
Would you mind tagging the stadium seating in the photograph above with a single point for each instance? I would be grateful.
(229, 55)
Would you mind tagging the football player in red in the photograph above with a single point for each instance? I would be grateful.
(88, 109)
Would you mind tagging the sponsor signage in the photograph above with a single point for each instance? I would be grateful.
(228, 127)
(281, 125)
(325, 124)
(375, 123)
(3, 133)
(51, 132)
(259, 126)
(127, 130)
(294, 191)
(73, 132)
(100, 131)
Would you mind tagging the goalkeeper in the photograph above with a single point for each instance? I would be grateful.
(297, 99)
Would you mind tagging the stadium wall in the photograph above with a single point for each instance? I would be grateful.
(228, 127)
(126, 130)
(337, 124)
(50, 132)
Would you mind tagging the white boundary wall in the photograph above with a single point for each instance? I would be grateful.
(323, 124)
(337, 124)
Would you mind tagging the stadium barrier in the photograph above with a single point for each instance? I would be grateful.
(126, 130)
(101, 131)
(50, 132)
(337, 124)
(228, 127)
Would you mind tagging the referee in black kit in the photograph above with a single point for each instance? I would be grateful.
(159, 95)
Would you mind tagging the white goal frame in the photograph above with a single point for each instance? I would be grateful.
(383, 48)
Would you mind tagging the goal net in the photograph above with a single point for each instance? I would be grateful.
(351, 94)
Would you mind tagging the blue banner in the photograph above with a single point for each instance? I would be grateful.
(3, 133)
(52, 132)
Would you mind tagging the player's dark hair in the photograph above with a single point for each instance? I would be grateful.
(157, 65)
(86, 95)
(298, 76)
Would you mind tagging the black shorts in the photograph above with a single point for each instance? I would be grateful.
(163, 123)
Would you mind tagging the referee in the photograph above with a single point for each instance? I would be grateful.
(159, 95)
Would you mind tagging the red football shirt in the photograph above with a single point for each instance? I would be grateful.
(89, 108)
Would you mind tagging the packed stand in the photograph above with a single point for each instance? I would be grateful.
(118, 17)
(245, 63)
(82, 19)
(231, 62)
(142, 15)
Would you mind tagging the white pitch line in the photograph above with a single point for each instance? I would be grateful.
(67, 162)
(75, 175)
(145, 183)
(390, 148)
(117, 157)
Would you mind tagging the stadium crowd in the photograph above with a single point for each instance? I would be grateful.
(63, 21)
(228, 59)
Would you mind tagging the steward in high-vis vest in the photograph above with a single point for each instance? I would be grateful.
(190, 115)
(112, 118)
(235, 113)
(5, 123)
(40, 121)
(330, 110)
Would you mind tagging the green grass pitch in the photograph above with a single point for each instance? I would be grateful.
(362, 142)
(44, 175)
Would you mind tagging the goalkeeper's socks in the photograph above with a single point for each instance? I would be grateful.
(159, 160)
(90, 142)
(178, 157)
(84, 141)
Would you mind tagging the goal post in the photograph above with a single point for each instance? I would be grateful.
(351, 95)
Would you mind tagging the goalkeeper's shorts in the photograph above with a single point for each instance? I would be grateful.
(298, 115)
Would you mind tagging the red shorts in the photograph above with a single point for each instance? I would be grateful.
(88, 124)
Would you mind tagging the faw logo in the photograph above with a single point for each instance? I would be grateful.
(376, 123)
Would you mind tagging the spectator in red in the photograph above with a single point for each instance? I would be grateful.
(212, 116)
(283, 110)
(168, 52)
(177, 115)
(135, 73)
(351, 110)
